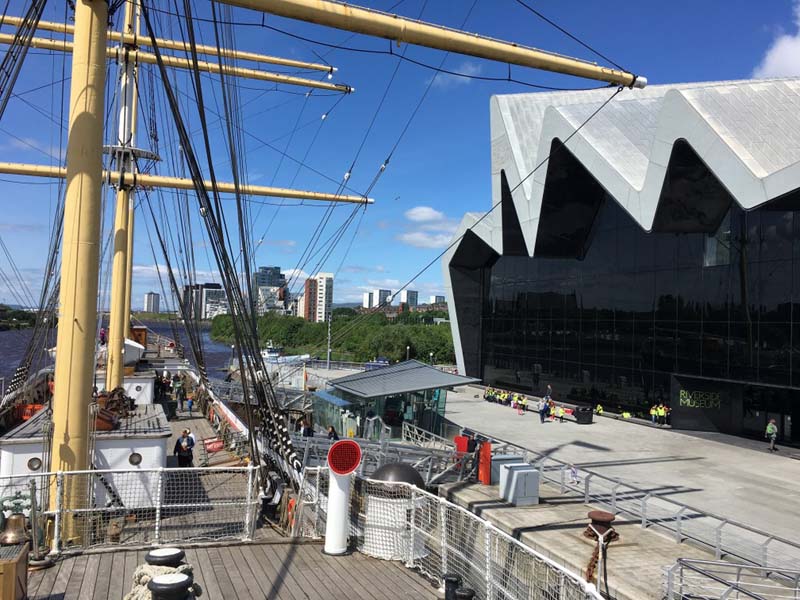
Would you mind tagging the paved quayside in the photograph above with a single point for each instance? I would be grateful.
(740, 481)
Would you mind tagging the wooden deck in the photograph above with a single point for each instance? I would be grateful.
(244, 572)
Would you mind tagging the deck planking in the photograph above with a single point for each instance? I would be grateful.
(291, 571)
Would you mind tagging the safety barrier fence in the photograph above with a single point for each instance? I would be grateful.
(727, 538)
(107, 508)
(421, 437)
(434, 464)
(397, 521)
(717, 580)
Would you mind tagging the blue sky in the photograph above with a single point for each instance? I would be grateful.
(441, 167)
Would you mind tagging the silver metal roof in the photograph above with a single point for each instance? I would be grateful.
(408, 376)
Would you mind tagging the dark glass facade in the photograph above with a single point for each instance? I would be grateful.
(698, 313)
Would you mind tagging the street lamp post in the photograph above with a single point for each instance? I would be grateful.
(431, 357)
(408, 348)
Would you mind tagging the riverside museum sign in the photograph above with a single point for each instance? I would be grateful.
(699, 399)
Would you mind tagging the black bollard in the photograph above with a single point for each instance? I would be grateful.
(165, 557)
(465, 594)
(174, 586)
(451, 584)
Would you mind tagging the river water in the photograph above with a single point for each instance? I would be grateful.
(14, 343)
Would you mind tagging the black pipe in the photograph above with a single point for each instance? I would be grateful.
(465, 594)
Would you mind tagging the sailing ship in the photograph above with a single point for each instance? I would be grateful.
(91, 461)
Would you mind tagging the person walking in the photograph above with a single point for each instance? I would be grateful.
(771, 434)
(573, 474)
(653, 414)
(189, 404)
(183, 449)
(177, 390)
(560, 412)
(542, 407)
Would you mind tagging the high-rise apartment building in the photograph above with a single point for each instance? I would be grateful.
(437, 300)
(381, 298)
(204, 300)
(269, 277)
(409, 297)
(366, 301)
(318, 297)
(151, 302)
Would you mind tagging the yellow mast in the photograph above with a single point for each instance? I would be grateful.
(128, 38)
(181, 183)
(379, 24)
(119, 317)
(75, 346)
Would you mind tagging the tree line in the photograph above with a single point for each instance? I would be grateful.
(355, 337)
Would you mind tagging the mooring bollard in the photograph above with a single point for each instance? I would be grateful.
(165, 557)
(465, 594)
(451, 584)
(174, 586)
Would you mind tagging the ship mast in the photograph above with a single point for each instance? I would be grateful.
(119, 318)
(74, 370)
(84, 174)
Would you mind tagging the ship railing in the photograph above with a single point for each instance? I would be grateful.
(719, 580)
(137, 507)
(421, 437)
(434, 464)
(652, 508)
(397, 521)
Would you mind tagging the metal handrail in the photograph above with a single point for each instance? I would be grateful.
(676, 521)
(769, 579)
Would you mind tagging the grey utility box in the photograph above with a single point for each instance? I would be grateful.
(522, 486)
(506, 470)
(500, 460)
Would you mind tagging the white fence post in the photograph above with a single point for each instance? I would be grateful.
(488, 544)
(248, 515)
(412, 530)
(56, 546)
(159, 493)
(443, 535)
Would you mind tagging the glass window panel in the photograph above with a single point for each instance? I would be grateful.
(776, 235)
(690, 248)
(689, 347)
(666, 247)
(715, 349)
(774, 353)
(689, 294)
(775, 293)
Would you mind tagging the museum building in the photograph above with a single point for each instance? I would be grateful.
(654, 257)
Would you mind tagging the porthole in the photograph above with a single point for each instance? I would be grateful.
(135, 459)
(34, 464)
(138, 388)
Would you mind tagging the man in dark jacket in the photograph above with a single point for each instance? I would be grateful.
(183, 449)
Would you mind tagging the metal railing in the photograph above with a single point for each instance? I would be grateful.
(434, 464)
(718, 580)
(140, 507)
(725, 537)
(397, 521)
(421, 437)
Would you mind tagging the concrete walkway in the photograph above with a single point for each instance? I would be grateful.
(744, 483)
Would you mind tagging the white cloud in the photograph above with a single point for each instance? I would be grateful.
(467, 68)
(421, 214)
(422, 239)
(428, 228)
(783, 56)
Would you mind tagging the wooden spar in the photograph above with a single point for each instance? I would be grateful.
(186, 63)
(132, 39)
(155, 181)
(393, 27)
(123, 235)
(75, 345)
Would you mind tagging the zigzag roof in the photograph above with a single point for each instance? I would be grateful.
(746, 132)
